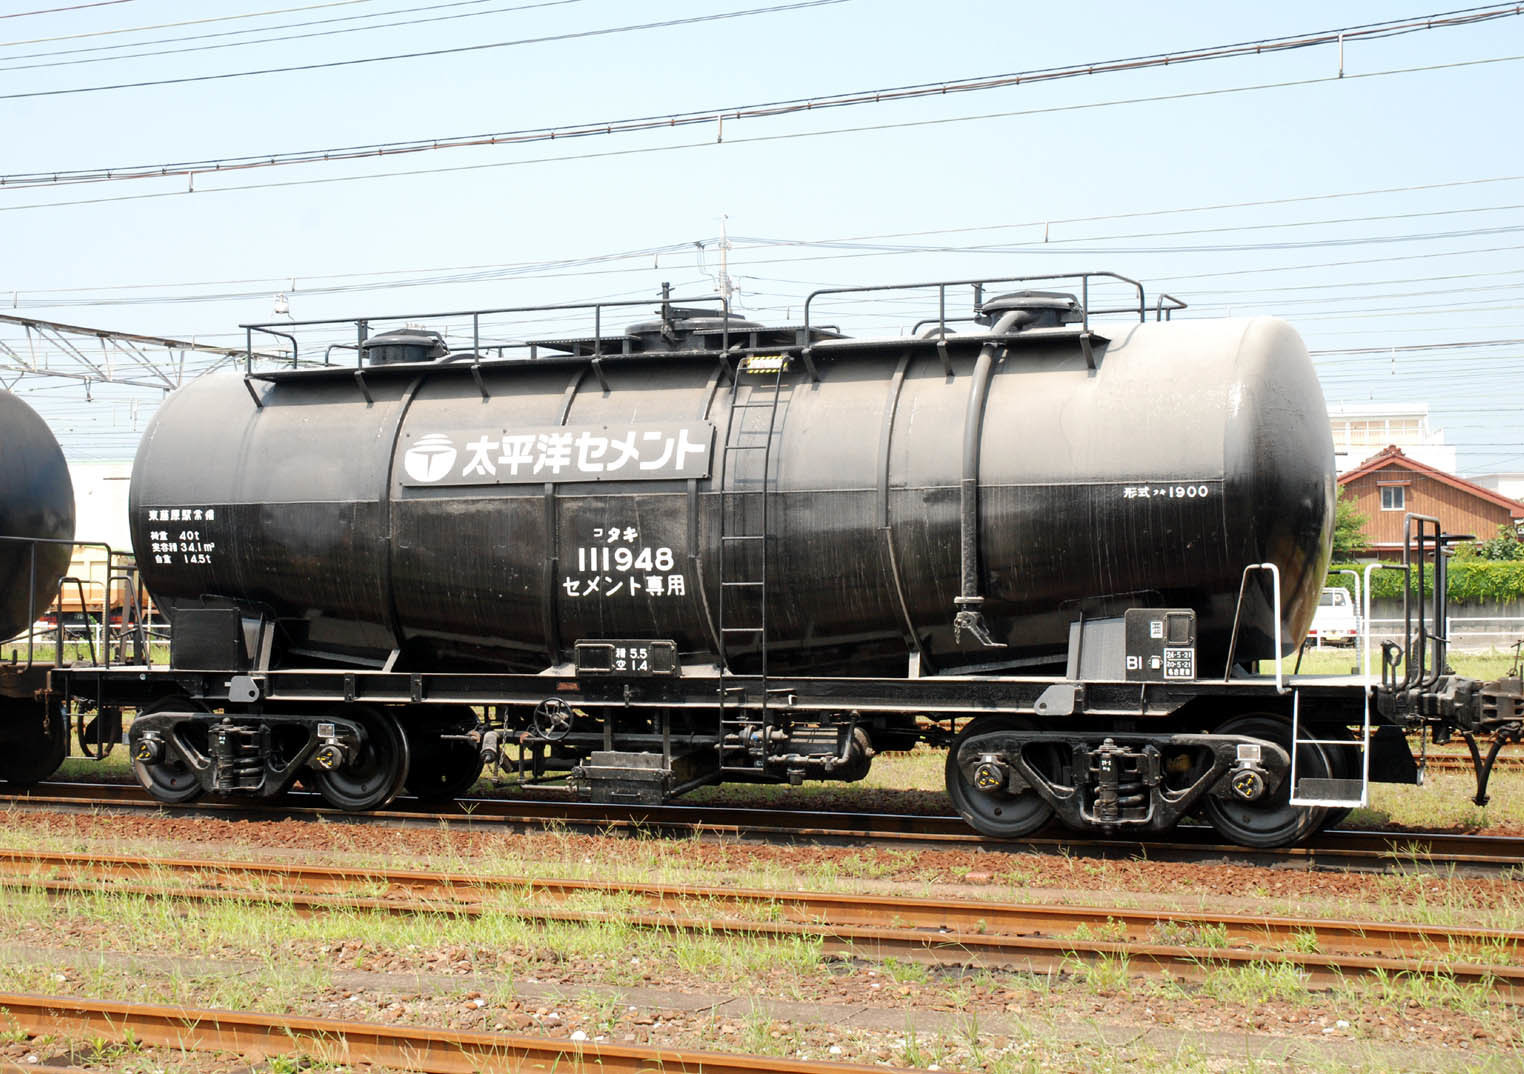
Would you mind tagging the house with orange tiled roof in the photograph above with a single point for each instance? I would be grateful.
(1390, 485)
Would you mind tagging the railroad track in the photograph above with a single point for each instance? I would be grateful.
(1034, 938)
(1460, 762)
(1340, 849)
(414, 1048)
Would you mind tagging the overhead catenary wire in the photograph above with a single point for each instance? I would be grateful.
(707, 144)
(1391, 28)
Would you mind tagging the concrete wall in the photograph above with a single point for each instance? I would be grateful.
(1472, 626)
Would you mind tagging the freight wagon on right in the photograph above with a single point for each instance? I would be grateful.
(1054, 535)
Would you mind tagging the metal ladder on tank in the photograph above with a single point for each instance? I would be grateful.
(1332, 792)
(744, 540)
(1426, 645)
(1338, 791)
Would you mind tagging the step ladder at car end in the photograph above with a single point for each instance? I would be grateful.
(1331, 792)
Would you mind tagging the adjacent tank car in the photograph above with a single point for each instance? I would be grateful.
(36, 531)
(707, 549)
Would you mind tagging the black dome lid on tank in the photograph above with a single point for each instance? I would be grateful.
(404, 345)
(1046, 309)
(682, 324)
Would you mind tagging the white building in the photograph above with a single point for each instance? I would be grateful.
(1361, 430)
(100, 502)
(1510, 484)
(100, 518)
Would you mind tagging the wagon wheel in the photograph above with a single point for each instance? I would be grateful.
(441, 768)
(1270, 821)
(43, 747)
(373, 773)
(996, 813)
(168, 778)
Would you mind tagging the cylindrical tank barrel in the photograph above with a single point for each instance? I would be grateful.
(496, 515)
(36, 515)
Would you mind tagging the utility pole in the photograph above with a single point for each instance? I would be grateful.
(727, 288)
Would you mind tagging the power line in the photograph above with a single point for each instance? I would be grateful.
(604, 155)
(576, 35)
(1405, 348)
(185, 22)
(492, 269)
(57, 10)
(547, 270)
(1038, 245)
(268, 40)
(1360, 283)
(1199, 305)
(718, 117)
(1212, 207)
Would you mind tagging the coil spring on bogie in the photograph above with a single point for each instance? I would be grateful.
(1131, 796)
(237, 756)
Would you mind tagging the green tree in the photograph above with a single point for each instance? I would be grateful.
(1349, 530)
(1504, 546)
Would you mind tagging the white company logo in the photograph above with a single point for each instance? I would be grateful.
(560, 454)
(430, 459)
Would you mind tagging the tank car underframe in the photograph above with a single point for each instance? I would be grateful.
(1100, 756)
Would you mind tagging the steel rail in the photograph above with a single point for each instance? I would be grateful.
(1339, 849)
(958, 932)
(412, 1048)
(418, 891)
(1459, 762)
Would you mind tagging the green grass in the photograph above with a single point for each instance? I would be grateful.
(1492, 664)
(293, 963)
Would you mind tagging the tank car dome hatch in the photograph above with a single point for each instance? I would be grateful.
(687, 327)
(403, 345)
(1046, 309)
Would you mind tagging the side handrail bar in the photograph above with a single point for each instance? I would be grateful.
(1084, 278)
(1275, 592)
(1424, 531)
(33, 611)
(363, 324)
(1370, 569)
(139, 653)
(1361, 630)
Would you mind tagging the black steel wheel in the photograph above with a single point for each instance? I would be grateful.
(998, 814)
(169, 779)
(42, 745)
(1272, 821)
(374, 774)
(440, 769)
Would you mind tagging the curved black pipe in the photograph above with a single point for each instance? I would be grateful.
(968, 616)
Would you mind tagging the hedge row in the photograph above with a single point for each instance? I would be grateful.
(1471, 581)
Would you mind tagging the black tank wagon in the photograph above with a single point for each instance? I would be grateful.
(36, 534)
(705, 549)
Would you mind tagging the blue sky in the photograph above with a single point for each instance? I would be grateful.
(1382, 210)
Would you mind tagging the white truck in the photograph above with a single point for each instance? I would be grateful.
(1337, 621)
